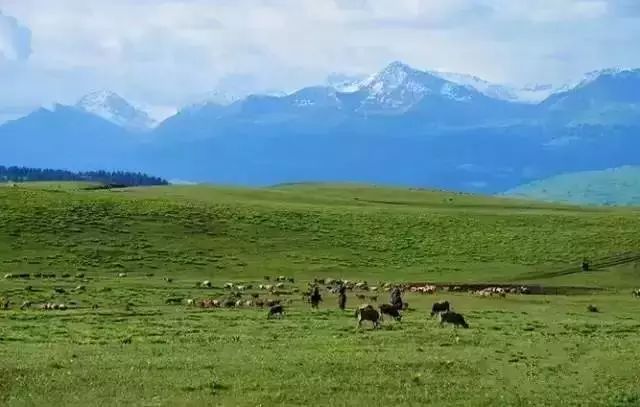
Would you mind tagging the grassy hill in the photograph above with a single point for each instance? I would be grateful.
(121, 258)
(309, 230)
(616, 186)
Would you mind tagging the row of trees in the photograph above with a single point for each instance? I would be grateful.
(122, 178)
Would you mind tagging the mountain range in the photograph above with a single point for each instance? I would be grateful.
(398, 126)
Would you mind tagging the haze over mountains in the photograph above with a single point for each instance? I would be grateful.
(399, 126)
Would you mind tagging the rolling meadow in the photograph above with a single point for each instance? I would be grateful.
(125, 262)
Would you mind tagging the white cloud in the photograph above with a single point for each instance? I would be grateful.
(15, 39)
(161, 52)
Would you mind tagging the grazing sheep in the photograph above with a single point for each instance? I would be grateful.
(267, 278)
(79, 275)
(248, 303)
(168, 279)
(241, 288)
(5, 303)
(173, 301)
(206, 284)
(121, 275)
(280, 285)
(229, 303)
(9, 276)
(228, 286)
(276, 310)
(190, 302)
(259, 303)
(360, 296)
(636, 293)
(440, 306)
(59, 290)
(291, 280)
(368, 313)
(592, 308)
(25, 305)
(390, 310)
(62, 307)
(239, 303)
(80, 288)
(454, 318)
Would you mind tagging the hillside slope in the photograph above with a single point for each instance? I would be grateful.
(616, 186)
(304, 230)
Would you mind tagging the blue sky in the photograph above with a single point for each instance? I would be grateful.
(162, 53)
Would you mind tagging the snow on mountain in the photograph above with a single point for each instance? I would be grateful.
(527, 94)
(345, 83)
(115, 109)
(214, 97)
(400, 87)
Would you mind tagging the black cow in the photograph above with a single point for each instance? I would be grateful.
(391, 310)
(440, 306)
(276, 310)
(454, 318)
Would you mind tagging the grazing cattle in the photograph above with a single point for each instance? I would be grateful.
(391, 310)
(440, 306)
(275, 310)
(368, 313)
(454, 318)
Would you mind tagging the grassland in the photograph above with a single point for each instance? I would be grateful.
(133, 349)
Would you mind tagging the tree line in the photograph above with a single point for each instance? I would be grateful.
(119, 178)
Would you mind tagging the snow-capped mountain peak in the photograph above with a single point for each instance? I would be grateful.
(115, 109)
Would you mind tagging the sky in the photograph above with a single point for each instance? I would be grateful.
(162, 54)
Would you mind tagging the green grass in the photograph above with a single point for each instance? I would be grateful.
(133, 349)
(615, 186)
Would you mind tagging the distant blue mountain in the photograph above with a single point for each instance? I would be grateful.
(399, 126)
(64, 137)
